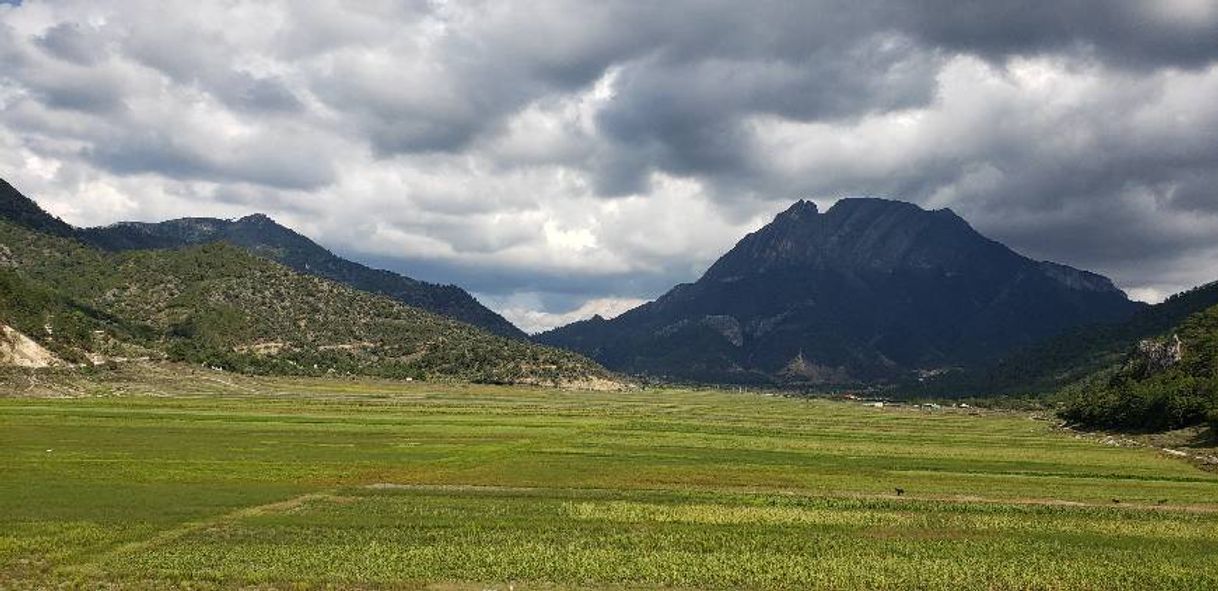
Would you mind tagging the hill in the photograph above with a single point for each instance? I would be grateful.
(263, 236)
(870, 290)
(260, 235)
(219, 305)
(1166, 382)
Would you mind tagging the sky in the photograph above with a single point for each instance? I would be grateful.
(560, 159)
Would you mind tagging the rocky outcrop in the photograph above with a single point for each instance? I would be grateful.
(1154, 356)
(18, 350)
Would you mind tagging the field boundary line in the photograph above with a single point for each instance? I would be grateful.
(190, 527)
(959, 500)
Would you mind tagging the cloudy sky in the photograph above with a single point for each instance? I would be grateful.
(565, 158)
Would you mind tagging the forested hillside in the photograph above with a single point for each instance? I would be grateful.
(266, 238)
(1164, 383)
(1049, 365)
(221, 306)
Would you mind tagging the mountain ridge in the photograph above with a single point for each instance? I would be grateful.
(23, 211)
(262, 235)
(1165, 380)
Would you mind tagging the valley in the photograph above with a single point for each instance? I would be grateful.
(167, 477)
(609, 296)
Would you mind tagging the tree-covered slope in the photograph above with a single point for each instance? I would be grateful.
(1167, 382)
(220, 305)
(263, 236)
(266, 238)
(1047, 366)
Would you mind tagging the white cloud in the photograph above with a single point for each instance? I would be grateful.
(596, 154)
(1149, 294)
(526, 311)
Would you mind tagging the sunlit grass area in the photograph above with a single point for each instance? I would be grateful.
(198, 481)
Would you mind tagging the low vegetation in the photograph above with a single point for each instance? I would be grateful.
(170, 478)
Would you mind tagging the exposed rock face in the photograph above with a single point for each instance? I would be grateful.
(727, 326)
(18, 350)
(1154, 356)
(869, 290)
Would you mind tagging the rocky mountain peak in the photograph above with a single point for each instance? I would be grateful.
(801, 209)
(868, 289)
(860, 233)
(257, 219)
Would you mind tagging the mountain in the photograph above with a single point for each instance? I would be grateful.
(262, 236)
(222, 306)
(870, 290)
(1049, 365)
(1165, 382)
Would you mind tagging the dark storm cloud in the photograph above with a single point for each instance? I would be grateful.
(272, 162)
(822, 61)
(1123, 33)
(570, 150)
(686, 116)
(63, 80)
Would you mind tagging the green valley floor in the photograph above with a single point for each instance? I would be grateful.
(175, 479)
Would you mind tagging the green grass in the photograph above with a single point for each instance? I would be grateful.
(207, 481)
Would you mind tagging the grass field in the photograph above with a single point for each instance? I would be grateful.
(202, 482)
